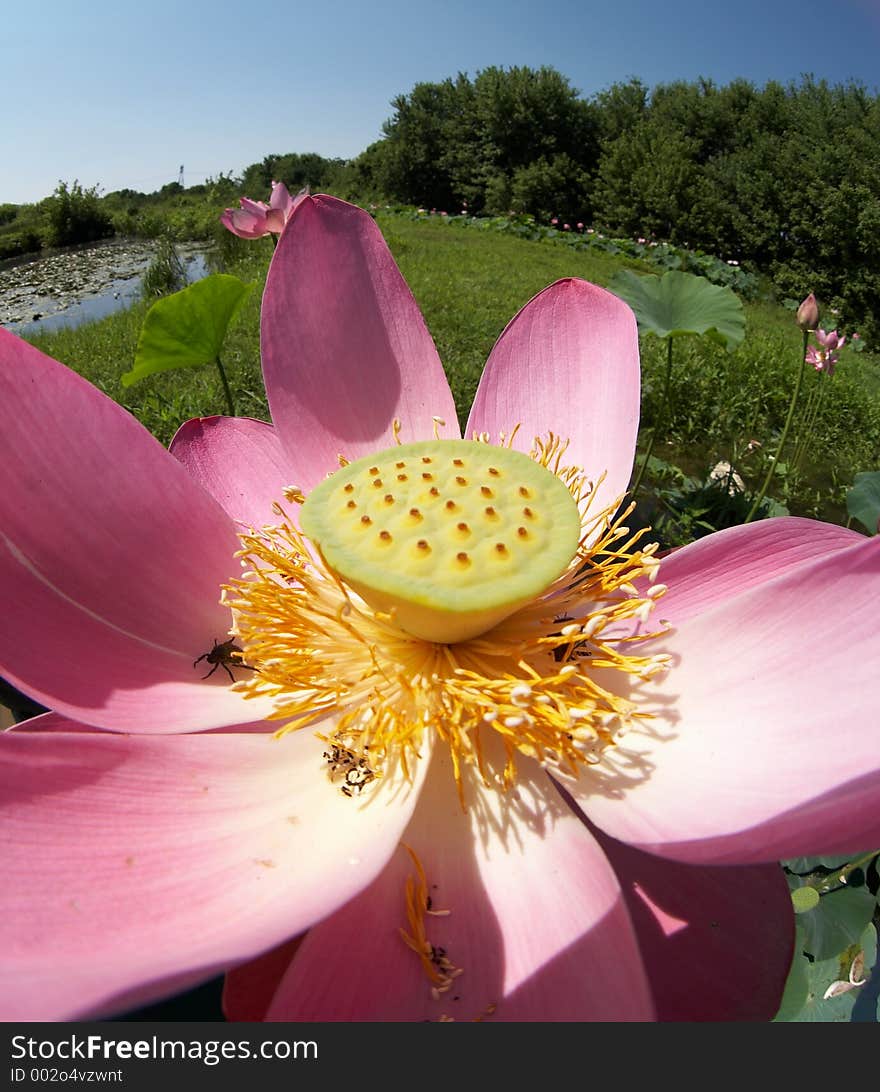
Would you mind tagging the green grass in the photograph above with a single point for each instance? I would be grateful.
(469, 284)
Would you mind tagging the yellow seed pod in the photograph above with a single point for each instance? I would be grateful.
(455, 536)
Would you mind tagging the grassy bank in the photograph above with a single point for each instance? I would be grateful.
(469, 284)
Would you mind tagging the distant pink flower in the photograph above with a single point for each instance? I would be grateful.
(255, 218)
(641, 240)
(825, 358)
(566, 227)
(831, 340)
(580, 226)
(554, 221)
(156, 831)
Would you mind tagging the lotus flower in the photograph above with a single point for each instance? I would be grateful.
(825, 358)
(571, 816)
(255, 218)
(830, 340)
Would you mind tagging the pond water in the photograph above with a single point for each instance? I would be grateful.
(81, 284)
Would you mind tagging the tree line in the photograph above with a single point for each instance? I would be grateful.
(784, 178)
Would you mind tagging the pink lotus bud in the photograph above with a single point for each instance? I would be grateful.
(808, 313)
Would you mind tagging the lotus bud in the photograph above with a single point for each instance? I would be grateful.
(808, 313)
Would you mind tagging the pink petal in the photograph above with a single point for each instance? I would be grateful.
(536, 922)
(707, 572)
(281, 199)
(275, 220)
(249, 989)
(568, 363)
(133, 864)
(240, 462)
(765, 742)
(717, 942)
(112, 559)
(244, 223)
(345, 348)
(257, 209)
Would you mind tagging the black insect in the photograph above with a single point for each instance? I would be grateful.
(222, 655)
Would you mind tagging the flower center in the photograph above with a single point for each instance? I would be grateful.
(447, 536)
(520, 643)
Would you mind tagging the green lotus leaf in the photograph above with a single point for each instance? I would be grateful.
(804, 899)
(802, 865)
(797, 985)
(822, 974)
(682, 303)
(837, 921)
(187, 329)
(863, 500)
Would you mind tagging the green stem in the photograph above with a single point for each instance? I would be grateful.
(824, 886)
(815, 406)
(660, 418)
(803, 429)
(774, 462)
(230, 404)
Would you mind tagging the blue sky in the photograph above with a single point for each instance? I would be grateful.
(121, 94)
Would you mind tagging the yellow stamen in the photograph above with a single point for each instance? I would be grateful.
(317, 648)
(441, 972)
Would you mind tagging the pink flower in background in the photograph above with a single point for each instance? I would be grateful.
(825, 358)
(580, 226)
(255, 218)
(157, 831)
(830, 341)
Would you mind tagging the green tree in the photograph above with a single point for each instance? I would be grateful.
(75, 215)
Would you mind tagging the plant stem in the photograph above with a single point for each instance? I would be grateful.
(803, 428)
(660, 418)
(230, 404)
(774, 462)
(841, 875)
(815, 406)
